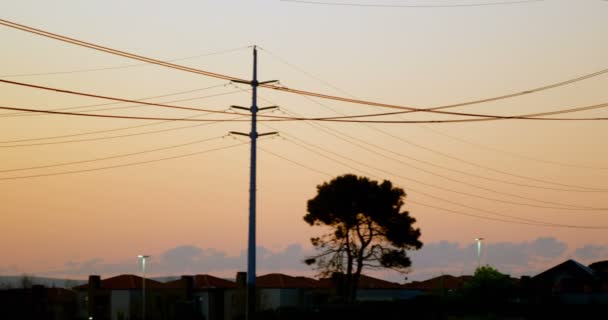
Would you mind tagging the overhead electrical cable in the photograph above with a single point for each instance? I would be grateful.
(20, 114)
(123, 165)
(514, 219)
(120, 67)
(488, 168)
(542, 88)
(305, 144)
(460, 104)
(507, 221)
(279, 118)
(221, 76)
(329, 175)
(513, 154)
(116, 136)
(111, 157)
(336, 133)
(294, 162)
(562, 206)
(585, 189)
(376, 5)
(93, 115)
(91, 95)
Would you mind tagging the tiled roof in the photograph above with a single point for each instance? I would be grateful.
(366, 282)
(204, 281)
(201, 281)
(282, 281)
(125, 282)
(569, 266)
(440, 282)
(600, 266)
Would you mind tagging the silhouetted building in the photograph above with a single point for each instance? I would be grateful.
(120, 298)
(38, 302)
(570, 282)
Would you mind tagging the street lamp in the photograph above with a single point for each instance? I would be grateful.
(143, 284)
(479, 240)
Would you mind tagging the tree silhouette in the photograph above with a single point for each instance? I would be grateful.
(367, 229)
(488, 286)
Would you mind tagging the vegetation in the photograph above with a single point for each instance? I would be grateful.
(488, 286)
(367, 229)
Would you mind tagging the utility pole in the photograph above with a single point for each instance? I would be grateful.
(251, 263)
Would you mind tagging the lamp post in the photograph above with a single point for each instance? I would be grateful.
(143, 284)
(479, 240)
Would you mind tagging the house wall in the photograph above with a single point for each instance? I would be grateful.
(202, 301)
(120, 302)
(386, 294)
(272, 299)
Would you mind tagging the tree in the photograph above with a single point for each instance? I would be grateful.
(488, 286)
(367, 229)
(26, 281)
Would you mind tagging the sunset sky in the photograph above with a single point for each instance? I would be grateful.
(190, 212)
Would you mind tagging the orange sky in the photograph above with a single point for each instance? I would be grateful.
(419, 57)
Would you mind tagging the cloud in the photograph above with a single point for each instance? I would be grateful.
(435, 258)
(509, 257)
(591, 253)
(188, 259)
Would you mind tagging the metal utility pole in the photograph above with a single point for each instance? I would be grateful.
(251, 263)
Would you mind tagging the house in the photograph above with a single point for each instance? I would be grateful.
(440, 285)
(37, 302)
(374, 289)
(120, 298)
(278, 290)
(203, 296)
(570, 282)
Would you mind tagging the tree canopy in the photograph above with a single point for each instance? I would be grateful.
(488, 286)
(367, 228)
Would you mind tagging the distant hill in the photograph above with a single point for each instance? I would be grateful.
(8, 282)
(17, 282)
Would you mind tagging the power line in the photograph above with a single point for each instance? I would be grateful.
(116, 136)
(97, 132)
(295, 162)
(476, 164)
(334, 133)
(302, 143)
(225, 77)
(91, 95)
(19, 114)
(370, 5)
(122, 117)
(538, 89)
(513, 154)
(122, 165)
(274, 118)
(524, 221)
(367, 173)
(460, 104)
(508, 221)
(278, 118)
(112, 51)
(585, 189)
(562, 205)
(111, 157)
(120, 67)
